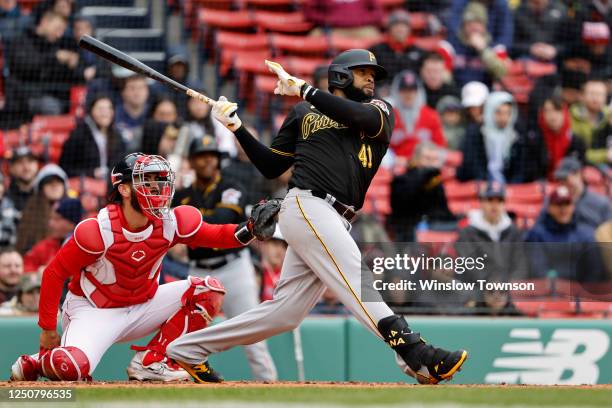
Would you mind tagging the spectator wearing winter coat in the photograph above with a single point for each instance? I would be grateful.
(449, 110)
(95, 144)
(500, 24)
(435, 81)
(9, 216)
(561, 246)
(473, 97)
(65, 215)
(23, 167)
(536, 29)
(50, 186)
(415, 122)
(491, 231)
(592, 209)
(555, 130)
(476, 56)
(418, 194)
(497, 151)
(397, 51)
(590, 116)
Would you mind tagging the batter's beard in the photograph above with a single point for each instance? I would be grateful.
(355, 94)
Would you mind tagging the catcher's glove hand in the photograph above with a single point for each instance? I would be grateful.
(262, 222)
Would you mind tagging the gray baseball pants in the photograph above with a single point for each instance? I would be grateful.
(321, 253)
(238, 277)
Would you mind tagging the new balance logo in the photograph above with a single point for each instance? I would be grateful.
(570, 357)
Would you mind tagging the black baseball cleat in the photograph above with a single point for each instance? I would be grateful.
(429, 364)
(441, 364)
(201, 373)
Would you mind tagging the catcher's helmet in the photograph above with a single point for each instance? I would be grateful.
(339, 74)
(151, 177)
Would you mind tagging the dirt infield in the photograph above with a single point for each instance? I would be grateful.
(276, 384)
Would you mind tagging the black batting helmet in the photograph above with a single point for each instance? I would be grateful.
(339, 73)
(203, 144)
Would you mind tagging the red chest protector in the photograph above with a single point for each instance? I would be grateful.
(128, 271)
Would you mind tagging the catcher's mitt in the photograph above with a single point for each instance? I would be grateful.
(263, 216)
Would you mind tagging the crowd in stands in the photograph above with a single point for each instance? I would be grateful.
(503, 125)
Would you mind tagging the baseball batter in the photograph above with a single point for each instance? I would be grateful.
(114, 261)
(335, 141)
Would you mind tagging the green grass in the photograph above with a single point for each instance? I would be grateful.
(489, 396)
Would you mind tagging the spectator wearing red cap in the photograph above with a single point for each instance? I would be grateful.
(536, 29)
(415, 122)
(356, 18)
(65, 215)
(397, 51)
(556, 227)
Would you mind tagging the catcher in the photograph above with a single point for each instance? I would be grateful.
(114, 296)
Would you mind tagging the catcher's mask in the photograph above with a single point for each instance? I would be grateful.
(153, 181)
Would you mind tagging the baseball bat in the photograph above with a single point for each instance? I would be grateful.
(120, 58)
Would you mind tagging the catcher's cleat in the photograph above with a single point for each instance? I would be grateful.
(429, 364)
(153, 366)
(202, 373)
(25, 368)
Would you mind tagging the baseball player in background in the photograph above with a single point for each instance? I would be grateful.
(114, 262)
(335, 141)
(223, 201)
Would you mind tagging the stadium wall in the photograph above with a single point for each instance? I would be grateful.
(571, 351)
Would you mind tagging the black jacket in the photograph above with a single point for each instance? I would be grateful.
(527, 161)
(80, 154)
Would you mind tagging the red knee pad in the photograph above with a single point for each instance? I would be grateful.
(201, 302)
(65, 364)
(204, 296)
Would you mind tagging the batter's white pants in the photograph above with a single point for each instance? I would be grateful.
(321, 254)
(238, 278)
(93, 330)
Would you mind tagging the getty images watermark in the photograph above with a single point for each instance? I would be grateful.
(406, 264)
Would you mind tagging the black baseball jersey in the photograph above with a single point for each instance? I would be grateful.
(222, 202)
(330, 156)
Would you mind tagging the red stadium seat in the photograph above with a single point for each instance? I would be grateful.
(231, 20)
(246, 64)
(13, 139)
(265, 83)
(341, 43)
(519, 86)
(292, 44)
(78, 95)
(274, 4)
(536, 69)
(456, 190)
(525, 193)
(302, 65)
(54, 123)
(241, 41)
(428, 43)
(461, 207)
(454, 158)
(437, 236)
(282, 22)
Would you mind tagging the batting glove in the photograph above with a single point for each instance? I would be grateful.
(287, 85)
(225, 112)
